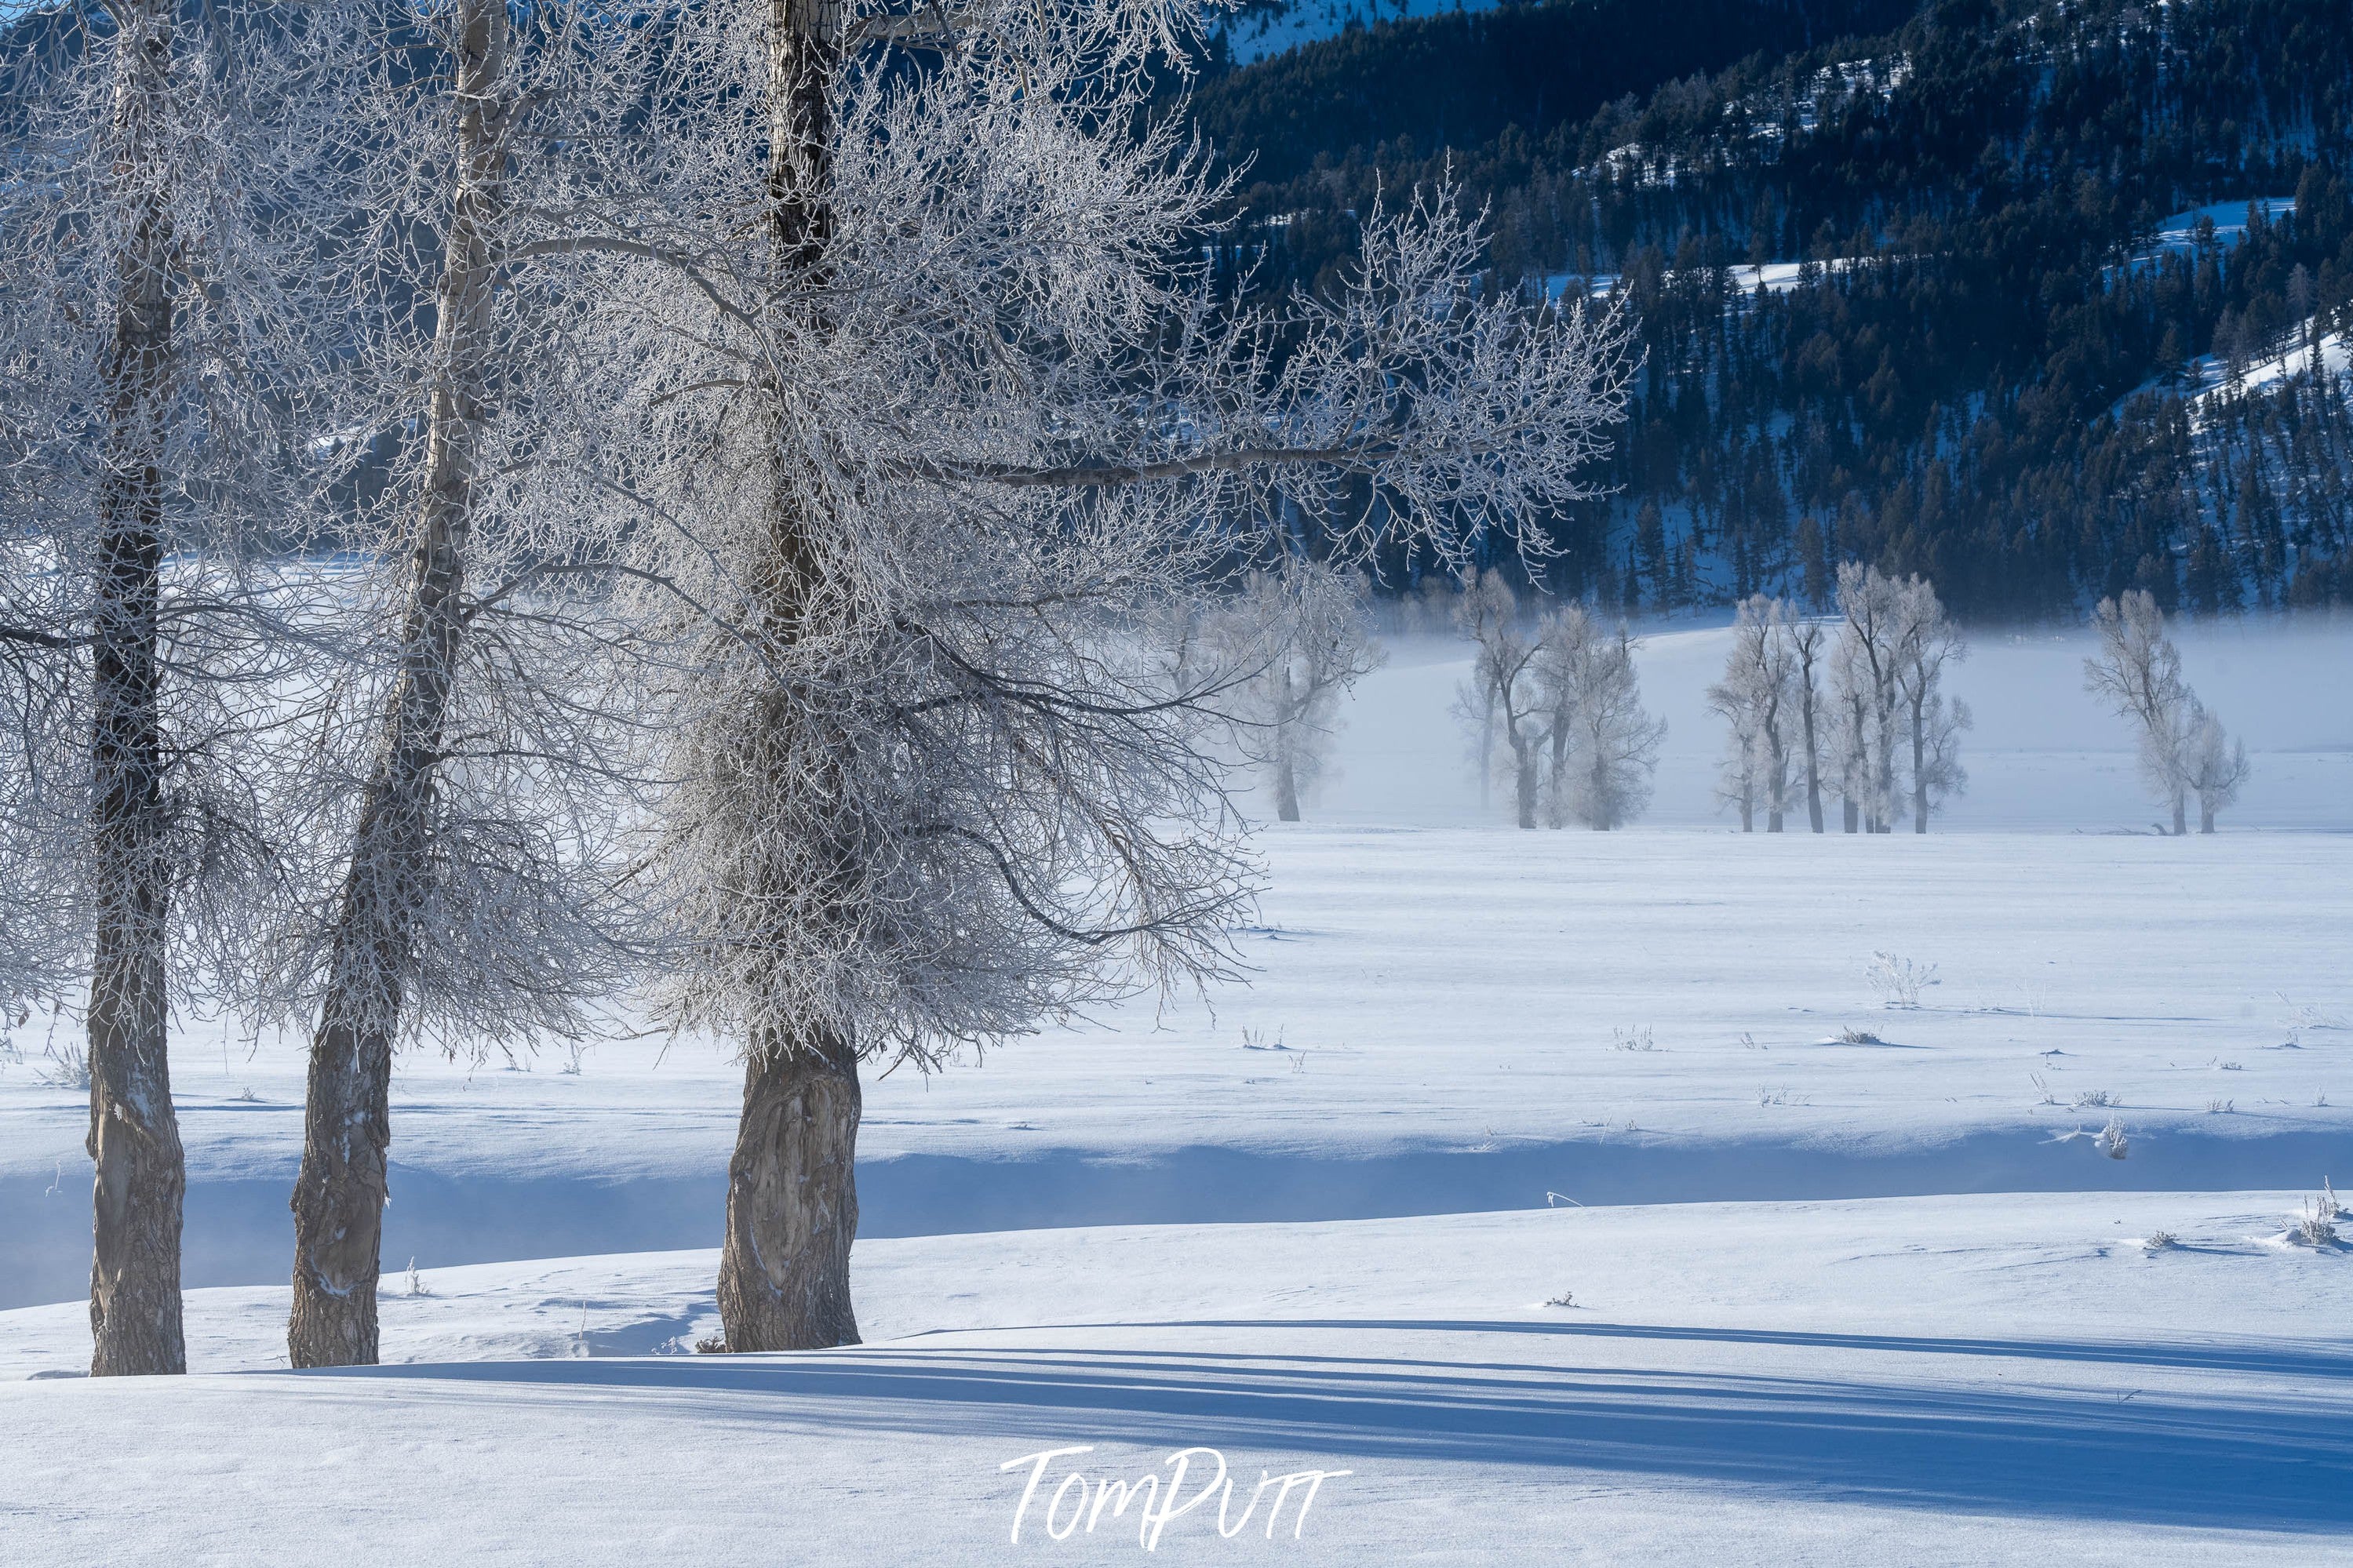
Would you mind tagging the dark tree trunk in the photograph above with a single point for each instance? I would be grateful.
(2205, 817)
(1524, 771)
(2180, 814)
(341, 1192)
(1853, 816)
(792, 1203)
(792, 1192)
(134, 1132)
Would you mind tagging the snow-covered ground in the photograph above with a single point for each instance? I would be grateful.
(1980, 1381)
(1312, 1221)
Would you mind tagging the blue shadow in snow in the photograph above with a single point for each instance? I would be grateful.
(2283, 1464)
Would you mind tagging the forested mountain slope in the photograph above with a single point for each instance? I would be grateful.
(1977, 294)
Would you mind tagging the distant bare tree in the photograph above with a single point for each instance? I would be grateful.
(1307, 620)
(1758, 698)
(1807, 642)
(1504, 699)
(2213, 765)
(1864, 675)
(1926, 640)
(2138, 672)
(1612, 746)
(1483, 612)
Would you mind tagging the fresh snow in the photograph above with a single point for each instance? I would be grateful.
(1983, 1380)
(1314, 1220)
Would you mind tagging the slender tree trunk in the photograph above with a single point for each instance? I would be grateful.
(2180, 814)
(1557, 781)
(134, 1132)
(1524, 778)
(1852, 816)
(792, 1202)
(1286, 774)
(1919, 764)
(792, 1196)
(341, 1189)
(1748, 810)
(1813, 756)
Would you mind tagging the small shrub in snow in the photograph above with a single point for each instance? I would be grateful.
(1565, 1298)
(1859, 1037)
(68, 1068)
(2220, 1106)
(416, 1286)
(573, 1051)
(2158, 1241)
(2230, 1067)
(2316, 1227)
(2112, 1141)
(1632, 1039)
(1899, 981)
(2042, 1088)
(2097, 1099)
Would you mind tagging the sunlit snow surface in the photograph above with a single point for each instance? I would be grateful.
(1446, 1018)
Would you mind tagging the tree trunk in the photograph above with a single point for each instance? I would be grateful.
(1851, 815)
(1813, 759)
(792, 1192)
(2205, 817)
(1523, 773)
(134, 1132)
(2180, 814)
(1748, 813)
(341, 1192)
(792, 1203)
(1286, 774)
(1919, 776)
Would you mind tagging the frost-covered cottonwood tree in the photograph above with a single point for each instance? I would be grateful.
(2181, 747)
(1759, 701)
(1506, 698)
(918, 408)
(157, 381)
(1605, 763)
(1926, 642)
(1809, 645)
(463, 882)
(1483, 612)
(1862, 673)
(1302, 638)
(2214, 765)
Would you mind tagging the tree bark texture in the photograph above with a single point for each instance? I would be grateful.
(792, 1194)
(341, 1189)
(134, 1133)
(792, 1202)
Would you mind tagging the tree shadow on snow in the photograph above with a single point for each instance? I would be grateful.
(2282, 1462)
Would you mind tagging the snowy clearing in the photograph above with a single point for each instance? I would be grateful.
(1447, 1018)
(1993, 1379)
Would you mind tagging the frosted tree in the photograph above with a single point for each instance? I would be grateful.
(1504, 700)
(2213, 765)
(1612, 748)
(1872, 608)
(2138, 672)
(468, 777)
(1808, 646)
(1759, 700)
(158, 380)
(918, 408)
(1483, 612)
(1308, 644)
(1926, 641)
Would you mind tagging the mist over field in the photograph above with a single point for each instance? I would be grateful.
(2044, 755)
